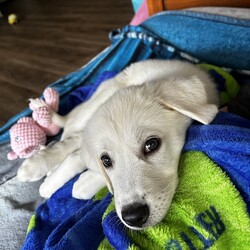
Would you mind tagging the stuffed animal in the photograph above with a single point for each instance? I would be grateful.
(29, 135)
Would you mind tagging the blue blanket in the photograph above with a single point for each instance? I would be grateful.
(227, 142)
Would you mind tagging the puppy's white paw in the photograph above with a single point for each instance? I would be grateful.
(46, 190)
(81, 191)
(88, 184)
(32, 169)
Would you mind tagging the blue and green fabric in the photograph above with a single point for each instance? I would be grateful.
(227, 86)
(207, 213)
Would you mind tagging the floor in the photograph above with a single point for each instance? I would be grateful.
(50, 41)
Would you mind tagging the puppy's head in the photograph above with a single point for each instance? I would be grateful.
(136, 139)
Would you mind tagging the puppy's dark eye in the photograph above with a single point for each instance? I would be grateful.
(106, 161)
(151, 145)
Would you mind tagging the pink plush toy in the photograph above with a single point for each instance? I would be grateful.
(28, 135)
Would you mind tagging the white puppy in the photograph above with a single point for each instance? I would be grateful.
(129, 135)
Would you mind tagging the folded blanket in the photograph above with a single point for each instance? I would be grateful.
(227, 142)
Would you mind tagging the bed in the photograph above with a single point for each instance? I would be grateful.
(214, 217)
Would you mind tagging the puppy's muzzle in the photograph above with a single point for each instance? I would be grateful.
(136, 214)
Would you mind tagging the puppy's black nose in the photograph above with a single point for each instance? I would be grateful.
(136, 214)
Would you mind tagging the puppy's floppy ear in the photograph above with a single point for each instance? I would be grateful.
(203, 113)
(190, 99)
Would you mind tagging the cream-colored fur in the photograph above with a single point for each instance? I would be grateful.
(151, 99)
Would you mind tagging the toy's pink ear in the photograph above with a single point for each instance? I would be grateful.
(11, 156)
(51, 97)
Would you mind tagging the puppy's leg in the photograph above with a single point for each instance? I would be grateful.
(38, 165)
(70, 167)
(88, 184)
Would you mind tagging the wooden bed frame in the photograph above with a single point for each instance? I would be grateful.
(155, 6)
